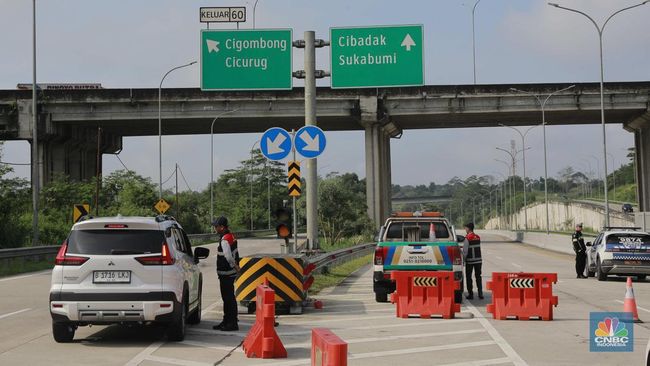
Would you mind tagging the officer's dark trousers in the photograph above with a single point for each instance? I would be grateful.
(477, 273)
(581, 262)
(227, 285)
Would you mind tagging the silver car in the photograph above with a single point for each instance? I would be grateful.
(619, 251)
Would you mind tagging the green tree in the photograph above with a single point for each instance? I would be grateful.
(14, 218)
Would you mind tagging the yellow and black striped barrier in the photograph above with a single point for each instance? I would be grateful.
(285, 274)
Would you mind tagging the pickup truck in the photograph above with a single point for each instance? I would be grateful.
(418, 241)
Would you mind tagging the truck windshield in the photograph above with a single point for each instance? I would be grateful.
(397, 231)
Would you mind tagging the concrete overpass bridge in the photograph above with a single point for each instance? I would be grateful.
(68, 119)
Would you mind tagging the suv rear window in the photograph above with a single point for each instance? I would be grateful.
(395, 230)
(115, 242)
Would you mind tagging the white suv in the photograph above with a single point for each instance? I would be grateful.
(619, 251)
(126, 270)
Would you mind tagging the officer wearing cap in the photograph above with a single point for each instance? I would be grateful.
(473, 261)
(580, 249)
(227, 269)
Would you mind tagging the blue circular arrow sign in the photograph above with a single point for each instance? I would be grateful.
(275, 143)
(310, 141)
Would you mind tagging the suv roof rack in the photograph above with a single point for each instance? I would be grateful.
(621, 228)
(161, 218)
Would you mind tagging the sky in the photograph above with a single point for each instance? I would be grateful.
(132, 43)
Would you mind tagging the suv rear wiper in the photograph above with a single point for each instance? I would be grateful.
(122, 251)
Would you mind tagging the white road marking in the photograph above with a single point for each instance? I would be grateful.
(147, 352)
(14, 313)
(398, 352)
(505, 346)
(394, 338)
(497, 257)
(210, 346)
(354, 305)
(494, 361)
(516, 265)
(405, 351)
(175, 361)
(25, 276)
(638, 307)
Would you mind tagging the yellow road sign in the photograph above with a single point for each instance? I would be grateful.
(162, 206)
(294, 179)
(424, 281)
(80, 211)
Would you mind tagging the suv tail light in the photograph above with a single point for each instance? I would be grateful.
(455, 255)
(164, 259)
(380, 255)
(62, 259)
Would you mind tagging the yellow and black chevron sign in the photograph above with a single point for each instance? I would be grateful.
(79, 211)
(285, 276)
(425, 281)
(294, 179)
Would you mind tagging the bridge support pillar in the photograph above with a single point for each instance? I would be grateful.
(378, 159)
(641, 129)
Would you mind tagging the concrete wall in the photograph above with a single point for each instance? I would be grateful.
(556, 242)
(562, 217)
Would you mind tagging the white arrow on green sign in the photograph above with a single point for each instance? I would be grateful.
(381, 56)
(247, 59)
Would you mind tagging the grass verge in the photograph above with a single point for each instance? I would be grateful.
(337, 274)
(15, 267)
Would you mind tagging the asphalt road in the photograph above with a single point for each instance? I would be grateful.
(374, 334)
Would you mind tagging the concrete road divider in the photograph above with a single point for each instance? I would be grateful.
(327, 349)
(522, 295)
(425, 293)
(262, 341)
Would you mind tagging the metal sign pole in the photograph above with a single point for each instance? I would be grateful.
(310, 120)
(295, 212)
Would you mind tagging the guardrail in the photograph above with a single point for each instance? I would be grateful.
(47, 250)
(325, 260)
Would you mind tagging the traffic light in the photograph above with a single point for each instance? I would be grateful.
(283, 228)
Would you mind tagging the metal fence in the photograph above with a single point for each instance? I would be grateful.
(340, 256)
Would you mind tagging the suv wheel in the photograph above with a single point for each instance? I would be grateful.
(381, 297)
(195, 317)
(602, 276)
(63, 332)
(176, 331)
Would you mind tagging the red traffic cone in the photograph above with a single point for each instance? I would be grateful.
(629, 305)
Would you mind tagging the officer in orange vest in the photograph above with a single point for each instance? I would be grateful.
(227, 270)
(473, 261)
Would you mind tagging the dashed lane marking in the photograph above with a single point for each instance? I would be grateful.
(14, 313)
(516, 265)
(147, 352)
(502, 343)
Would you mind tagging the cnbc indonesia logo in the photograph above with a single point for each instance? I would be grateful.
(611, 332)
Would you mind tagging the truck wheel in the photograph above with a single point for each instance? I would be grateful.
(381, 297)
(63, 332)
(252, 307)
(458, 297)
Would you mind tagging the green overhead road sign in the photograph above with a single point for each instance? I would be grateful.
(381, 56)
(246, 59)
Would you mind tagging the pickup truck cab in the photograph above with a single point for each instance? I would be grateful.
(418, 241)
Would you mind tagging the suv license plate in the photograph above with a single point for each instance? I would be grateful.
(111, 276)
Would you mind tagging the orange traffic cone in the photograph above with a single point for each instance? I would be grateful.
(629, 305)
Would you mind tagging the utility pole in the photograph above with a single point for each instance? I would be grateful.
(178, 213)
(36, 188)
(98, 183)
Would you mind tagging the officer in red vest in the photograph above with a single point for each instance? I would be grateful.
(473, 262)
(227, 270)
